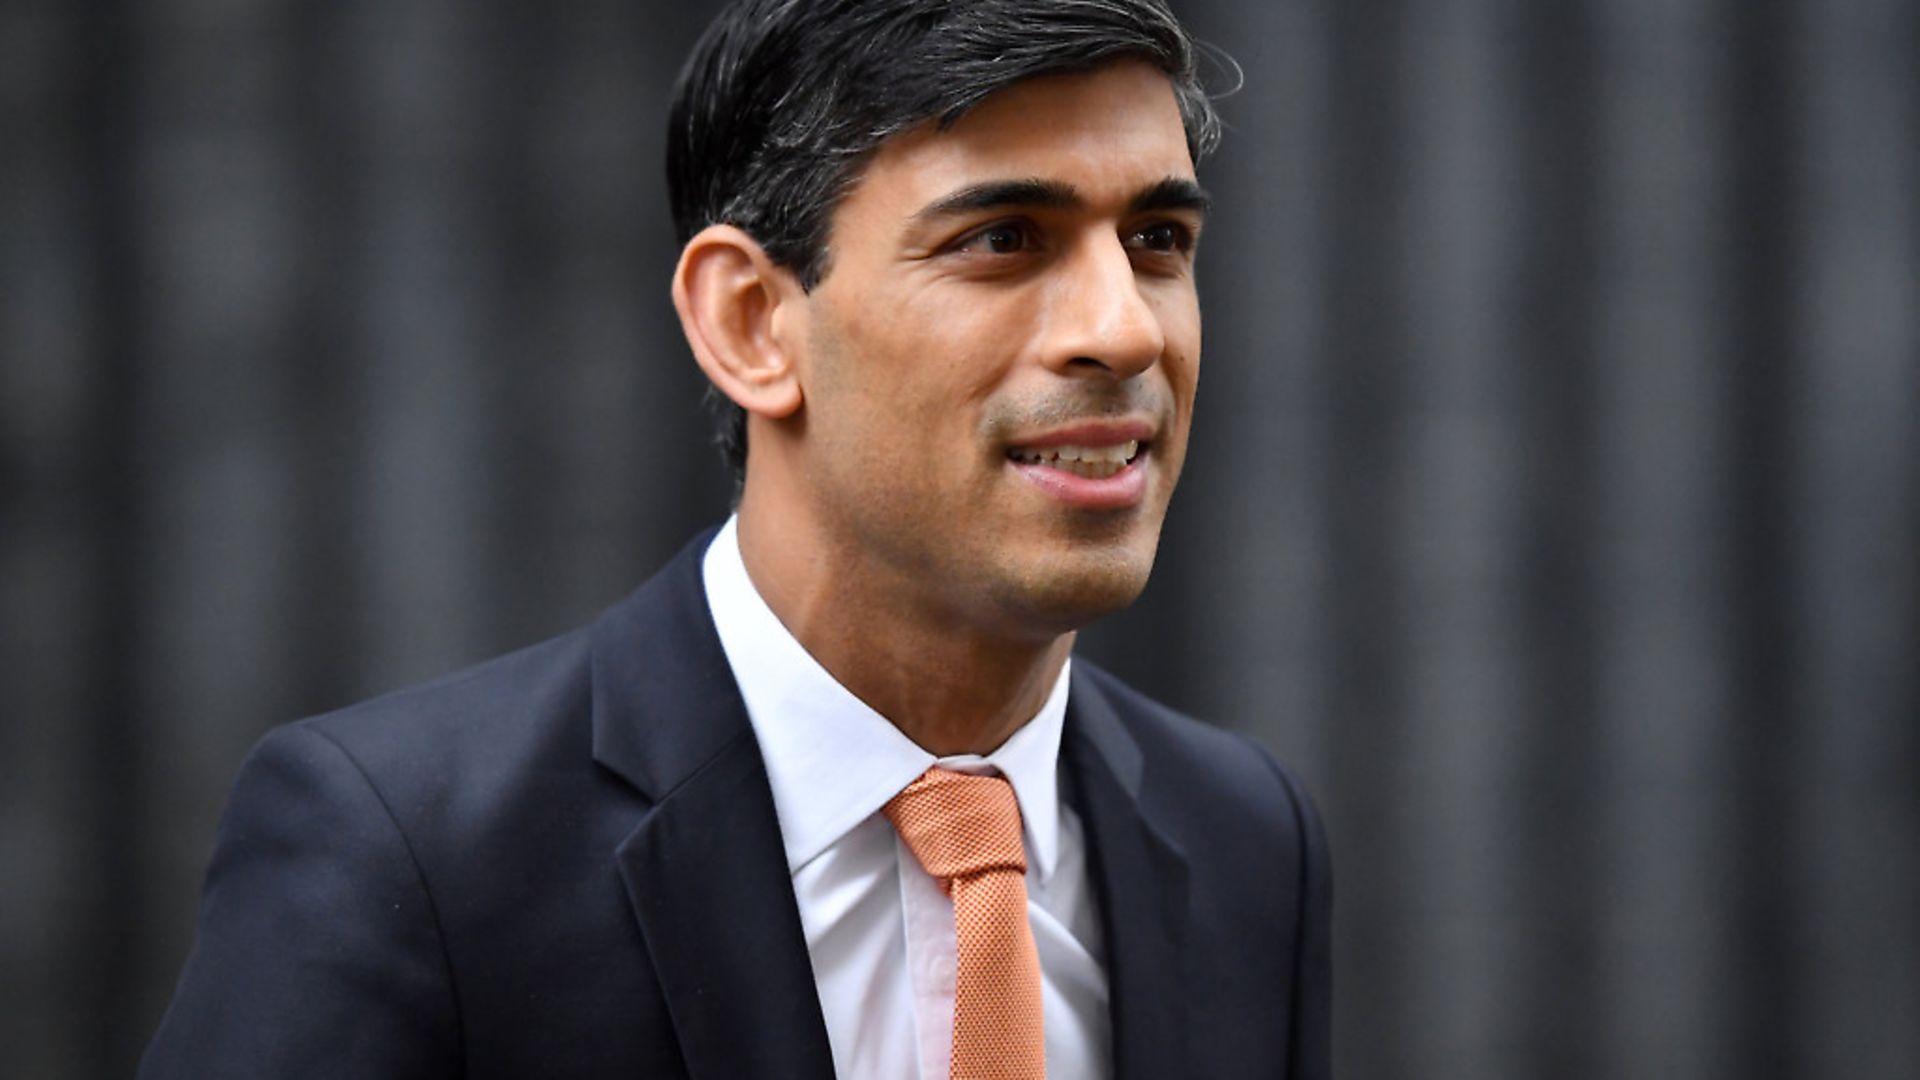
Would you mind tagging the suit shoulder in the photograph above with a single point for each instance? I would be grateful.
(1165, 733)
(468, 723)
(1205, 762)
(537, 678)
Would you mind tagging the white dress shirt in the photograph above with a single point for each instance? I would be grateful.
(879, 929)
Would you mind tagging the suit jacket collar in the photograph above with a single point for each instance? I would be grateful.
(1141, 881)
(706, 872)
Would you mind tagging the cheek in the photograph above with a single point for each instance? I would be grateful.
(1180, 324)
(899, 384)
(937, 371)
(1178, 306)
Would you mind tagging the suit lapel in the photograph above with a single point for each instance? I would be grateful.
(705, 870)
(708, 881)
(1141, 880)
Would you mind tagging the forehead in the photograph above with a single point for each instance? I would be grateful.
(1110, 133)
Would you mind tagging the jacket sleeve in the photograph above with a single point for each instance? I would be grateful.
(318, 951)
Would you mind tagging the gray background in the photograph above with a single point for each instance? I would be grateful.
(1554, 503)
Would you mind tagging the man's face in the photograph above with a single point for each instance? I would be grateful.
(1003, 297)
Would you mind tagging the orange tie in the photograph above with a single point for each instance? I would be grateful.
(965, 830)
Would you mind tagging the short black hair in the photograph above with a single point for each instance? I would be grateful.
(783, 102)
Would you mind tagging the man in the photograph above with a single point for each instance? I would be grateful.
(827, 796)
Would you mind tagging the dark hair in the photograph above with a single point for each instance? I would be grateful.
(783, 101)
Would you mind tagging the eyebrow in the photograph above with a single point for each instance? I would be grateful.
(998, 194)
(1172, 193)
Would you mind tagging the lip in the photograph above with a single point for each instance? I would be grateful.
(1091, 433)
(1121, 491)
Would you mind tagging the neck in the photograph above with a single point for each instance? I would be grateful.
(950, 686)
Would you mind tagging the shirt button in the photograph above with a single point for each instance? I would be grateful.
(943, 970)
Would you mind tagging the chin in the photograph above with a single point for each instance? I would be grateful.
(1063, 592)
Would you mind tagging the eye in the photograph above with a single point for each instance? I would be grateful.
(1003, 238)
(1162, 236)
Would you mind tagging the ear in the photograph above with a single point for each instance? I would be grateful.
(737, 309)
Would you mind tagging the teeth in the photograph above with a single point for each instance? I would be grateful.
(1092, 470)
(1093, 462)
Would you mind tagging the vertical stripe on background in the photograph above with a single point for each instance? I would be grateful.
(1667, 973)
(1853, 865)
(1453, 522)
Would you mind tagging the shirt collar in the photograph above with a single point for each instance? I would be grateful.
(833, 761)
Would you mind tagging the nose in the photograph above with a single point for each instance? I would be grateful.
(1100, 320)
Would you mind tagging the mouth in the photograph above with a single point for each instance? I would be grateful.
(1099, 466)
(1089, 462)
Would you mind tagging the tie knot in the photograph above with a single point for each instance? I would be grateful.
(959, 825)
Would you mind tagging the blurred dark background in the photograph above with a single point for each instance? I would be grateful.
(1554, 506)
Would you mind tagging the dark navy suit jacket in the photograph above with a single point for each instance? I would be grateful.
(565, 863)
